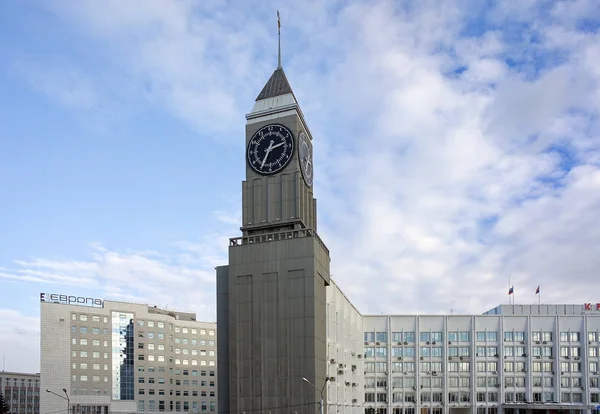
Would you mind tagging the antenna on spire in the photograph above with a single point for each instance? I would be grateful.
(278, 41)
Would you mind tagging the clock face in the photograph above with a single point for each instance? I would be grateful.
(270, 149)
(305, 155)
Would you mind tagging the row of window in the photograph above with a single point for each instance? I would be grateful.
(489, 366)
(176, 339)
(178, 393)
(480, 351)
(481, 336)
(150, 369)
(19, 382)
(83, 317)
(176, 361)
(184, 351)
(465, 396)
(195, 406)
(177, 329)
(437, 382)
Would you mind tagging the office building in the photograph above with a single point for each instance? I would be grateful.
(100, 356)
(21, 391)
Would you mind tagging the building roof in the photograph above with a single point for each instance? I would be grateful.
(276, 85)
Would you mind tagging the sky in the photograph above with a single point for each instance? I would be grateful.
(456, 147)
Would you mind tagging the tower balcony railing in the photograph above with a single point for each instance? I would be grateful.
(277, 236)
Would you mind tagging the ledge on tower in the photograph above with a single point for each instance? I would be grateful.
(277, 85)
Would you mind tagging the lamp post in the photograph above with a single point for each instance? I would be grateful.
(321, 405)
(64, 398)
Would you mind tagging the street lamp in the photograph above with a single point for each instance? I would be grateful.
(321, 406)
(64, 398)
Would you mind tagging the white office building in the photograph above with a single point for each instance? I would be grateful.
(99, 357)
(512, 359)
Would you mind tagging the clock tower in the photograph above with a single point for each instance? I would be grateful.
(271, 301)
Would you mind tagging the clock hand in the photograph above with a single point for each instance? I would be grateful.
(268, 151)
(275, 146)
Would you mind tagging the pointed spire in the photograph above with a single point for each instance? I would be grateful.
(276, 85)
(278, 41)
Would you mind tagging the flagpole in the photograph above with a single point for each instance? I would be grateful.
(509, 289)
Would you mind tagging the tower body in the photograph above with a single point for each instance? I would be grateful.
(271, 299)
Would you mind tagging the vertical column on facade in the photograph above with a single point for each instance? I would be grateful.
(417, 372)
(472, 364)
(528, 363)
(502, 397)
(389, 364)
(583, 356)
(445, 369)
(556, 365)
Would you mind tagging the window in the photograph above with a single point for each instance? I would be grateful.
(83, 329)
(381, 352)
(509, 350)
(409, 336)
(564, 337)
(436, 336)
(424, 337)
(480, 336)
(508, 337)
(519, 336)
(465, 336)
(492, 336)
(547, 336)
(536, 336)
(381, 336)
(369, 336)
(452, 336)
(592, 336)
(574, 338)
(83, 318)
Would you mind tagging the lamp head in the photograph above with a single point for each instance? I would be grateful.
(305, 380)
(65, 390)
(47, 390)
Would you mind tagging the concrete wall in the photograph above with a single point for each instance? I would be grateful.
(277, 324)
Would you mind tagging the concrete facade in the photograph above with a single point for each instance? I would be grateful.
(126, 357)
(487, 363)
(21, 391)
(271, 297)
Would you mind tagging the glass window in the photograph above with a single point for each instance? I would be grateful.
(547, 336)
(564, 337)
(465, 336)
(508, 337)
(480, 336)
(381, 352)
(83, 317)
(519, 336)
(574, 336)
(536, 336)
(381, 337)
(424, 336)
(452, 336)
(492, 336)
(592, 336)
(369, 336)
(409, 336)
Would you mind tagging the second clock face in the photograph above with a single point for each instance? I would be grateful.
(306, 161)
(270, 149)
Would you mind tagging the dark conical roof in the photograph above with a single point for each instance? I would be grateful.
(276, 86)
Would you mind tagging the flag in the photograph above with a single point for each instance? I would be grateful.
(278, 20)
(511, 290)
(537, 291)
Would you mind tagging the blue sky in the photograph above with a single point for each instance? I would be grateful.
(455, 145)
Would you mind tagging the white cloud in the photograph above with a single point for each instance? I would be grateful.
(435, 175)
